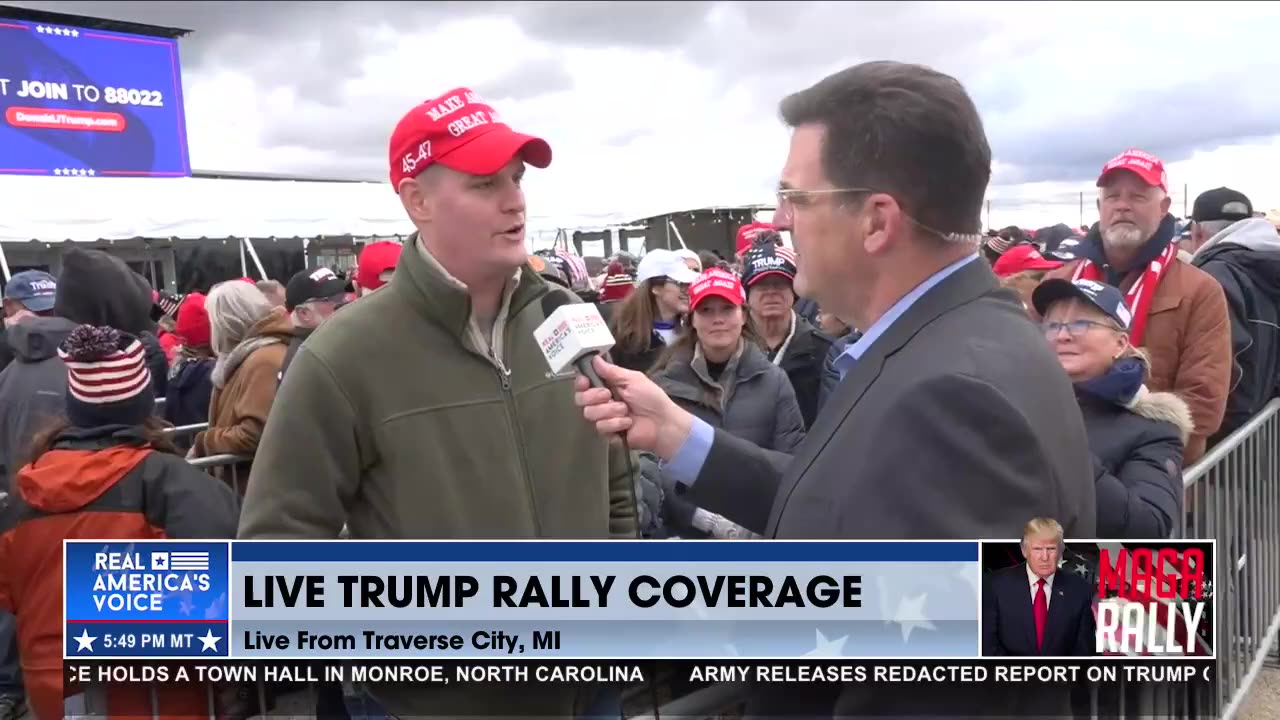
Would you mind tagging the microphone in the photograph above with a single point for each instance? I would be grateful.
(572, 334)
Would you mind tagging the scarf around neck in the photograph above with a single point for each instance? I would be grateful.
(1120, 385)
(1139, 296)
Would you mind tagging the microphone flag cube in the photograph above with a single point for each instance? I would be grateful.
(569, 333)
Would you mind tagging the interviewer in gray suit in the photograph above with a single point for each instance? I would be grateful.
(952, 418)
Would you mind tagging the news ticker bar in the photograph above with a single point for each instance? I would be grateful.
(986, 671)
(580, 600)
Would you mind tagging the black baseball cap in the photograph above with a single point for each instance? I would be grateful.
(1221, 204)
(1100, 295)
(308, 285)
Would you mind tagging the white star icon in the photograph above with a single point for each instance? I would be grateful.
(80, 172)
(75, 33)
(40, 28)
(84, 640)
(910, 615)
(1081, 570)
(971, 575)
(208, 641)
(91, 173)
(822, 647)
(57, 171)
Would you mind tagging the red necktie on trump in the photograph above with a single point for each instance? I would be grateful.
(1040, 608)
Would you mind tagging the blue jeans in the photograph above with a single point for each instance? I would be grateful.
(10, 671)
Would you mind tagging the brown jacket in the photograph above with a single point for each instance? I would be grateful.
(238, 409)
(1188, 339)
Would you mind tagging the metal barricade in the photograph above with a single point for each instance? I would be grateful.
(230, 464)
(1233, 496)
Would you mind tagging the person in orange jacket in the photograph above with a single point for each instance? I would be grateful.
(104, 471)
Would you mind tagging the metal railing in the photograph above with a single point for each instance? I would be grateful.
(1233, 496)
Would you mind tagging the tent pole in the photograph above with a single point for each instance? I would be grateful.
(244, 261)
(248, 245)
(4, 263)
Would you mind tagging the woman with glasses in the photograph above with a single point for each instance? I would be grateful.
(1136, 436)
(647, 321)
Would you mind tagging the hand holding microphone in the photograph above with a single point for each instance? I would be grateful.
(618, 401)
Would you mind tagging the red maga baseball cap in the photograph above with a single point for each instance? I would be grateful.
(719, 283)
(747, 234)
(460, 131)
(1021, 258)
(1144, 165)
(375, 259)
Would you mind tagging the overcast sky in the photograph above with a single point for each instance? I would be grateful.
(652, 106)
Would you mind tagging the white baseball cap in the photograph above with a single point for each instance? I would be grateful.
(664, 263)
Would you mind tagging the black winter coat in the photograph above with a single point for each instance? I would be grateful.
(752, 400)
(804, 361)
(1137, 460)
(1245, 260)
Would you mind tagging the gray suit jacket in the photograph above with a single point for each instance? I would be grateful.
(957, 422)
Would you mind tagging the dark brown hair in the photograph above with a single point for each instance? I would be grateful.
(152, 430)
(687, 337)
(633, 320)
(906, 130)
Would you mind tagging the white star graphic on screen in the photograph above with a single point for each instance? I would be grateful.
(57, 171)
(208, 641)
(84, 640)
(970, 574)
(1081, 570)
(40, 28)
(910, 615)
(75, 33)
(91, 172)
(822, 647)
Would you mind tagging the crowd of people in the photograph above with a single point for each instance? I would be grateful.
(895, 374)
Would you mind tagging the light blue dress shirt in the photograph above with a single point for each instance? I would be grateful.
(692, 455)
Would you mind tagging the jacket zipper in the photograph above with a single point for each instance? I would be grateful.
(509, 401)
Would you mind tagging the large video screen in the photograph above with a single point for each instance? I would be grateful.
(80, 102)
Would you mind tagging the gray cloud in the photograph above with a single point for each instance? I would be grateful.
(612, 24)
(626, 137)
(534, 78)
(1045, 121)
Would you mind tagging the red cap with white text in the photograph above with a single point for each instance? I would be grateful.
(1144, 165)
(460, 131)
(719, 283)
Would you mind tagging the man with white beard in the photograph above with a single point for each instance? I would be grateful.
(1179, 312)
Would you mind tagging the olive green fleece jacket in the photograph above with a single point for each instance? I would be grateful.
(396, 419)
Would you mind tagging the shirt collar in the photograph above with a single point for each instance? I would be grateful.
(856, 349)
(1033, 578)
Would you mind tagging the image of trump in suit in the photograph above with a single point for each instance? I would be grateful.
(1034, 608)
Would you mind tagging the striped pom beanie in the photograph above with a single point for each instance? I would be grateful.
(107, 378)
(617, 283)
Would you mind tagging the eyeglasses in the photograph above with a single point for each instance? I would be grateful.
(803, 198)
(1074, 328)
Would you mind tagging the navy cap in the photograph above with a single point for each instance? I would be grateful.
(1100, 295)
(35, 289)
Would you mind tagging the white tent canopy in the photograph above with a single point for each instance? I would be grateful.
(54, 209)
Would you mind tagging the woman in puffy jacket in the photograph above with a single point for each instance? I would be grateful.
(1136, 436)
(716, 370)
(103, 472)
